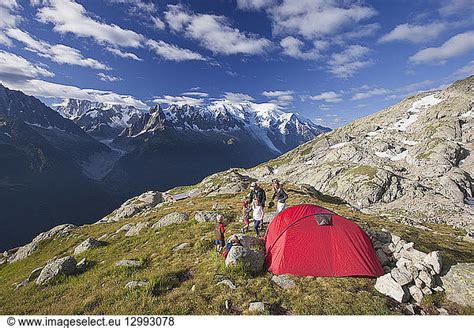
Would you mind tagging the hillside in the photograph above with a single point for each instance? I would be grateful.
(165, 239)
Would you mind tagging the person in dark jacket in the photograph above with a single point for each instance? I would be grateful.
(279, 195)
(219, 231)
(257, 199)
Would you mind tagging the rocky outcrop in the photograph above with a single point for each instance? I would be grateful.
(257, 307)
(172, 218)
(180, 247)
(459, 284)
(25, 251)
(136, 284)
(205, 216)
(410, 273)
(228, 182)
(87, 244)
(65, 265)
(134, 206)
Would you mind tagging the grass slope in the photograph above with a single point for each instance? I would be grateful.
(101, 289)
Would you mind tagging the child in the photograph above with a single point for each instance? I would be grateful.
(246, 209)
(219, 232)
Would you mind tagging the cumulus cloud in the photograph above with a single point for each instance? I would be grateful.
(172, 52)
(328, 96)
(67, 16)
(123, 54)
(214, 32)
(58, 53)
(293, 47)
(8, 19)
(179, 100)
(16, 68)
(414, 33)
(346, 63)
(108, 78)
(457, 45)
(315, 18)
(370, 93)
(282, 98)
(254, 4)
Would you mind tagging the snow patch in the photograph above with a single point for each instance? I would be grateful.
(396, 157)
(409, 142)
(467, 114)
(413, 111)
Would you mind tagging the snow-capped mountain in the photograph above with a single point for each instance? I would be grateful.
(100, 120)
(180, 145)
(277, 130)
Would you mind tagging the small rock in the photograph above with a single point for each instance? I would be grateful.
(388, 286)
(434, 260)
(125, 227)
(65, 265)
(228, 283)
(136, 284)
(172, 218)
(427, 278)
(438, 289)
(34, 274)
(419, 283)
(388, 248)
(416, 293)
(103, 237)
(442, 311)
(408, 246)
(193, 288)
(426, 291)
(395, 239)
(128, 264)
(21, 284)
(205, 216)
(257, 307)
(227, 304)
(87, 244)
(383, 258)
(401, 276)
(81, 265)
(180, 247)
(283, 281)
(410, 309)
(136, 229)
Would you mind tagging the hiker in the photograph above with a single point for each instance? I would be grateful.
(234, 242)
(257, 198)
(219, 232)
(246, 209)
(280, 195)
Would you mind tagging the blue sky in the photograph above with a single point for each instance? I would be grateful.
(332, 61)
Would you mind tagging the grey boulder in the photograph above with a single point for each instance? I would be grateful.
(388, 286)
(65, 265)
(205, 216)
(251, 259)
(172, 218)
(283, 281)
(87, 244)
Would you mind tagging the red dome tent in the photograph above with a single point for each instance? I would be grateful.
(297, 244)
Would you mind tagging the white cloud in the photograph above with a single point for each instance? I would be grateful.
(254, 4)
(179, 100)
(138, 6)
(172, 52)
(237, 98)
(414, 33)
(349, 61)
(315, 18)
(67, 16)
(123, 54)
(58, 53)
(328, 96)
(457, 45)
(19, 74)
(8, 19)
(195, 94)
(108, 78)
(14, 68)
(453, 7)
(281, 98)
(214, 32)
(158, 23)
(370, 93)
(294, 48)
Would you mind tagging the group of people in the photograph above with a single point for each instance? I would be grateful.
(253, 207)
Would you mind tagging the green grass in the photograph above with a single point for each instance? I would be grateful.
(171, 276)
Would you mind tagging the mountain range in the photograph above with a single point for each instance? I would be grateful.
(98, 154)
